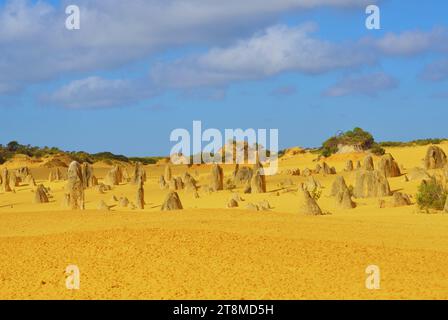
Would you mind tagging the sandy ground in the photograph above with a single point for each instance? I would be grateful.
(209, 252)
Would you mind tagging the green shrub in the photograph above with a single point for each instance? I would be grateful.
(425, 142)
(330, 146)
(281, 153)
(419, 142)
(146, 160)
(81, 157)
(377, 150)
(391, 144)
(108, 156)
(431, 195)
(357, 136)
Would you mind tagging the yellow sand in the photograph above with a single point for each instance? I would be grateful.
(209, 252)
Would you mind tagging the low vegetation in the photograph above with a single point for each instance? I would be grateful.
(356, 137)
(431, 195)
(419, 142)
(13, 148)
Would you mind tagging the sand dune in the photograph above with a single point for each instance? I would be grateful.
(209, 252)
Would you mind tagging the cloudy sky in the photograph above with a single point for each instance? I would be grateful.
(138, 69)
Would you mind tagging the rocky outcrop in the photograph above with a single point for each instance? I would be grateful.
(40, 195)
(368, 163)
(344, 200)
(242, 176)
(162, 183)
(258, 182)
(140, 197)
(338, 186)
(312, 184)
(232, 203)
(388, 166)
(29, 180)
(139, 174)
(435, 158)
(168, 174)
(349, 166)
(103, 206)
(113, 177)
(75, 186)
(172, 202)
(189, 183)
(216, 178)
(418, 174)
(371, 184)
(307, 205)
(306, 172)
(327, 170)
(401, 200)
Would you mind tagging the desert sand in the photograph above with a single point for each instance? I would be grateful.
(208, 251)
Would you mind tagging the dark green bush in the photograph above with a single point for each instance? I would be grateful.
(330, 146)
(431, 195)
(377, 150)
(357, 136)
(146, 160)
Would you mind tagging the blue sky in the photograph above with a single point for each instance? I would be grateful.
(139, 69)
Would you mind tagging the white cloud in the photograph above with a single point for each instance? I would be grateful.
(287, 90)
(36, 47)
(278, 49)
(291, 49)
(409, 43)
(368, 85)
(96, 92)
(435, 71)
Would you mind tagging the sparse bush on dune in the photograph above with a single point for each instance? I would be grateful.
(377, 150)
(419, 142)
(103, 156)
(12, 148)
(329, 147)
(431, 195)
(281, 153)
(391, 144)
(145, 160)
(363, 140)
(359, 137)
(81, 157)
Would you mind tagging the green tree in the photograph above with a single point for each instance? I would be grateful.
(13, 146)
(358, 137)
